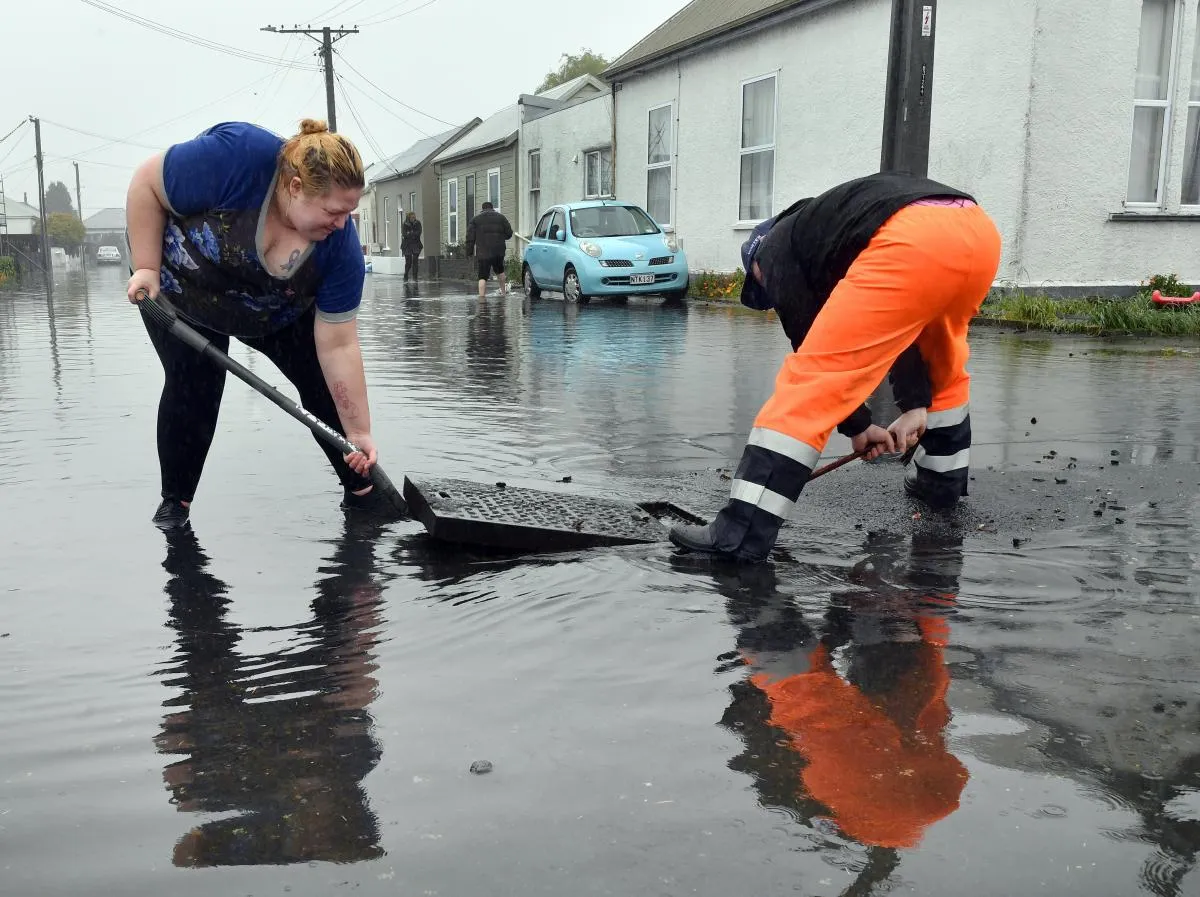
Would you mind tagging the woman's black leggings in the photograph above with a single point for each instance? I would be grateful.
(191, 399)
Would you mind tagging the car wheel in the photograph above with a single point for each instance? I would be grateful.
(572, 291)
(531, 287)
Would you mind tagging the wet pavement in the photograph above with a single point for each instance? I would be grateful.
(1005, 700)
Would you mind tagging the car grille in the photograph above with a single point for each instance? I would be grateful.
(616, 263)
(624, 281)
(662, 260)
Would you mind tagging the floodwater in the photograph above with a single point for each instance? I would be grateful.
(1005, 701)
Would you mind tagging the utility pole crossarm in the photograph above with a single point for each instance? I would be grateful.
(328, 37)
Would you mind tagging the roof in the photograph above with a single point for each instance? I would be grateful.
(112, 219)
(415, 157)
(699, 21)
(501, 128)
(498, 129)
(14, 208)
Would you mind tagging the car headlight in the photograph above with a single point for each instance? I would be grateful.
(672, 243)
(592, 249)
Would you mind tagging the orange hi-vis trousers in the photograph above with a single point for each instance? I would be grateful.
(921, 279)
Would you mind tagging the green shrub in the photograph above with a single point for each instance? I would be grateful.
(716, 284)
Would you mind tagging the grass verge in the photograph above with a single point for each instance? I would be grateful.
(1137, 315)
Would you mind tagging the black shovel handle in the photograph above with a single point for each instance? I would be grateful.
(159, 311)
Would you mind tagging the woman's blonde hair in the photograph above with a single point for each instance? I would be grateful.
(321, 159)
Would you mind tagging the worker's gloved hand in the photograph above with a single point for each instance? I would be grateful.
(908, 429)
(873, 442)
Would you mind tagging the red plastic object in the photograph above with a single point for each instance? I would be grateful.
(1159, 299)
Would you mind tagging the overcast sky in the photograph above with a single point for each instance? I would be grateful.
(78, 67)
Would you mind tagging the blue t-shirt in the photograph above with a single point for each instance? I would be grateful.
(218, 186)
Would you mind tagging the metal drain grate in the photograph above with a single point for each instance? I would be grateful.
(522, 519)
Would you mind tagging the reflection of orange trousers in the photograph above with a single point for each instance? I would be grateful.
(922, 278)
(879, 763)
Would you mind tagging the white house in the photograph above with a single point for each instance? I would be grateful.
(18, 218)
(1074, 123)
(565, 147)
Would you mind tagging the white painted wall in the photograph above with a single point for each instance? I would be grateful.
(831, 69)
(1032, 113)
(1082, 114)
(563, 138)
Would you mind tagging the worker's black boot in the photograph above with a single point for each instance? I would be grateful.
(769, 479)
(941, 464)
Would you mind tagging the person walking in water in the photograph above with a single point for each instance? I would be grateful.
(486, 237)
(249, 235)
(410, 244)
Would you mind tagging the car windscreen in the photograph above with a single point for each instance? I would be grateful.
(611, 221)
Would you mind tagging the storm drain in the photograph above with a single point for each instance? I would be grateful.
(496, 515)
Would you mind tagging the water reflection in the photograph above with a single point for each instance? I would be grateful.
(278, 743)
(844, 717)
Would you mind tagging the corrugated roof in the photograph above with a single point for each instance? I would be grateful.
(14, 208)
(502, 127)
(698, 21)
(111, 219)
(412, 159)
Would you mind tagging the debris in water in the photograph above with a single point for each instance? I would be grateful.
(1018, 542)
(481, 767)
(1033, 420)
(565, 480)
(1120, 520)
(1060, 480)
(502, 485)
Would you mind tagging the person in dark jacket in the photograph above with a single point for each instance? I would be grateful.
(882, 273)
(486, 235)
(410, 244)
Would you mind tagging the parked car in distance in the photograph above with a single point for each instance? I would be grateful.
(602, 248)
(107, 255)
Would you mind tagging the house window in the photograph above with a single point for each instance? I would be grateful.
(598, 174)
(452, 211)
(412, 201)
(1153, 87)
(535, 183)
(494, 188)
(470, 197)
(758, 149)
(386, 220)
(1191, 162)
(658, 164)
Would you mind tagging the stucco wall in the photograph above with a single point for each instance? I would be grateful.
(981, 88)
(1082, 114)
(562, 136)
(478, 165)
(831, 70)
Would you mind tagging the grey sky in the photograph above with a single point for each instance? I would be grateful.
(76, 66)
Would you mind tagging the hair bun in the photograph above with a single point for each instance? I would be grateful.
(313, 126)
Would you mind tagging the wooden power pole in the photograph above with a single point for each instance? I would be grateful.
(47, 265)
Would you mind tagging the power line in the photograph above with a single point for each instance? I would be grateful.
(186, 36)
(111, 140)
(23, 123)
(392, 98)
(13, 148)
(358, 120)
(400, 15)
(390, 112)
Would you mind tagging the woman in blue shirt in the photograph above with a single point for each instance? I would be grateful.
(249, 236)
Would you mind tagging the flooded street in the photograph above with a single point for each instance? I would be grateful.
(1004, 701)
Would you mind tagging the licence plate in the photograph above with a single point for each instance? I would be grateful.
(635, 279)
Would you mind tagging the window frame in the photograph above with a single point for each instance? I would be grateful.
(535, 184)
(772, 147)
(452, 213)
(669, 164)
(600, 193)
(495, 202)
(1168, 105)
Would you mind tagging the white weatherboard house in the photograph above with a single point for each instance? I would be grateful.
(1074, 123)
(565, 147)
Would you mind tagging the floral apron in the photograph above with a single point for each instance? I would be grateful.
(212, 275)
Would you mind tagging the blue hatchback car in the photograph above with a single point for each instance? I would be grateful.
(602, 248)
